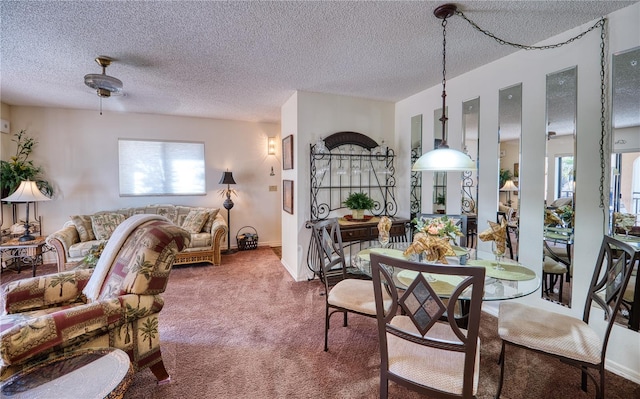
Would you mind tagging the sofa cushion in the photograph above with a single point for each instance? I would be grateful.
(196, 218)
(209, 223)
(83, 225)
(104, 224)
(200, 240)
(82, 249)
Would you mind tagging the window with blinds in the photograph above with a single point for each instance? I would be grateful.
(153, 167)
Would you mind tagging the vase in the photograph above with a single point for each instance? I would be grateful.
(357, 214)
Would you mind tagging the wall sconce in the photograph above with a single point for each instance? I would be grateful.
(271, 146)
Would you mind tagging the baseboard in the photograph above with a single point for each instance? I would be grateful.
(622, 371)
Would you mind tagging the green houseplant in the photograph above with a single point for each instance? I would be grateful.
(358, 203)
(19, 167)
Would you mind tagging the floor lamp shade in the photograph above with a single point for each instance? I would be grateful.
(27, 192)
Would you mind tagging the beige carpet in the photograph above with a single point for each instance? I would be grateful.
(245, 329)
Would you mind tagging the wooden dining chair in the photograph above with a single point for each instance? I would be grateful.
(571, 340)
(418, 349)
(342, 294)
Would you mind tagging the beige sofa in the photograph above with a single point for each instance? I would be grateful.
(83, 232)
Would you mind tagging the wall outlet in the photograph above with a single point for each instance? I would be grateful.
(273, 188)
(5, 126)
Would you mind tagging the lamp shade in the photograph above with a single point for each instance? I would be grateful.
(444, 160)
(28, 191)
(509, 186)
(227, 178)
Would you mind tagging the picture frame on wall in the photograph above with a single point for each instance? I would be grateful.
(287, 196)
(287, 152)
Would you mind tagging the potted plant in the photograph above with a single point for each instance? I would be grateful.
(19, 168)
(358, 203)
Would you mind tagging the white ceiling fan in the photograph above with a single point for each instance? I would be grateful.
(105, 85)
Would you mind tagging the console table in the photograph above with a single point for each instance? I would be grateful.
(357, 232)
(368, 230)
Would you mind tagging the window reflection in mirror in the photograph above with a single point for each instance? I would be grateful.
(470, 144)
(560, 170)
(625, 167)
(510, 130)
(415, 194)
(439, 178)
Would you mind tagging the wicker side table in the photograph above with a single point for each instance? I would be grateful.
(82, 374)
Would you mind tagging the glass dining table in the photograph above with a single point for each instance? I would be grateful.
(510, 280)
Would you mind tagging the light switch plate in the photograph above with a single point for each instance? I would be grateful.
(273, 188)
(5, 126)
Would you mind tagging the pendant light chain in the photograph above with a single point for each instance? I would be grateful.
(601, 23)
(444, 118)
(524, 46)
(603, 109)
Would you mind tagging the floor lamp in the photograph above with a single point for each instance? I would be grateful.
(227, 178)
(28, 191)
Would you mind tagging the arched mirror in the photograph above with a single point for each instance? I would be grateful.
(509, 133)
(470, 144)
(439, 178)
(560, 170)
(625, 166)
(415, 190)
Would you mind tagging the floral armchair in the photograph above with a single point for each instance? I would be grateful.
(48, 315)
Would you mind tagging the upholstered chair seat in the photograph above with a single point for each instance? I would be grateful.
(355, 294)
(446, 369)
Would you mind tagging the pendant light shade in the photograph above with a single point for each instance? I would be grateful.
(444, 159)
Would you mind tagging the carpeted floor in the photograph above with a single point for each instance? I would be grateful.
(245, 329)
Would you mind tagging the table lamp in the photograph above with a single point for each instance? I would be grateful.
(227, 178)
(28, 191)
(509, 186)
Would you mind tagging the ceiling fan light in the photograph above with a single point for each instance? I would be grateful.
(103, 82)
(444, 160)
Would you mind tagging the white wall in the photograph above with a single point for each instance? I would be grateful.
(79, 153)
(530, 68)
(309, 116)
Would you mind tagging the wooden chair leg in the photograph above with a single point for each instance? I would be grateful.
(160, 373)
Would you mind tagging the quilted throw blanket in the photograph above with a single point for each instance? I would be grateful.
(119, 236)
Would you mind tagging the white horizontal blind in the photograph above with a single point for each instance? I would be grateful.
(151, 167)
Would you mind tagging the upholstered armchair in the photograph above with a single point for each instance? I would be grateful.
(114, 305)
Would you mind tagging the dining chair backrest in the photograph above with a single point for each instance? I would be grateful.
(459, 220)
(614, 267)
(328, 240)
(418, 348)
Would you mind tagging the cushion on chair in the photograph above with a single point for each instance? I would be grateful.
(446, 370)
(104, 224)
(550, 332)
(355, 294)
(552, 267)
(83, 225)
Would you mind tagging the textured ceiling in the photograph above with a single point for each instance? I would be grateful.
(243, 60)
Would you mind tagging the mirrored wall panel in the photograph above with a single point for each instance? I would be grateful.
(415, 194)
(560, 172)
(510, 130)
(625, 167)
(470, 145)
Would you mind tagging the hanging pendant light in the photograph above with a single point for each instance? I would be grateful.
(443, 158)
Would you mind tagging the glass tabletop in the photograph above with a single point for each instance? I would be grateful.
(516, 280)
